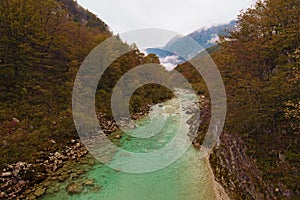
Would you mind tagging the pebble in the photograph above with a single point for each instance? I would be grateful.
(52, 141)
(117, 136)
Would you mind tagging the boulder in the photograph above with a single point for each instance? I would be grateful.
(80, 172)
(57, 155)
(62, 178)
(77, 145)
(31, 197)
(88, 182)
(96, 188)
(52, 141)
(74, 188)
(6, 174)
(15, 120)
(39, 192)
(2, 195)
(117, 136)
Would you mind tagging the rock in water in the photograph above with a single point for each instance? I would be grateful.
(88, 182)
(39, 192)
(117, 136)
(74, 188)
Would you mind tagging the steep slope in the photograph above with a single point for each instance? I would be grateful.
(258, 152)
(39, 57)
(82, 16)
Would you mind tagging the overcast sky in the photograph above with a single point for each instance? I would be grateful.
(182, 16)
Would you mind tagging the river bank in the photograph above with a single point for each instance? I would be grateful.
(73, 173)
(21, 180)
(219, 190)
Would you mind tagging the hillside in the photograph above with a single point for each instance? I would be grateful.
(82, 16)
(39, 57)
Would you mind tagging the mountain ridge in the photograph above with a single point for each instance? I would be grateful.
(204, 37)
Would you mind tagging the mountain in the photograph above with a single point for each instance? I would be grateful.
(209, 37)
(205, 37)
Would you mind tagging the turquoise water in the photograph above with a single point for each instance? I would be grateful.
(188, 178)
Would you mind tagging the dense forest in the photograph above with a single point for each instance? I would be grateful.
(42, 45)
(260, 65)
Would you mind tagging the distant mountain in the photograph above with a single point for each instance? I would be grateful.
(205, 37)
(209, 37)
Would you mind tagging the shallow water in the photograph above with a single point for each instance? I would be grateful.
(189, 178)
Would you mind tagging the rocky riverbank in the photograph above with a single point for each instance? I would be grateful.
(197, 134)
(239, 174)
(219, 190)
(21, 180)
(233, 169)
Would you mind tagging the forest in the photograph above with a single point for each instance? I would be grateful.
(42, 46)
(260, 65)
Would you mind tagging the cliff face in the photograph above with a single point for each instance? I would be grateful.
(238, 173)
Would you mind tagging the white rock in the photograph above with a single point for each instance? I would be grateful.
(117, 136)
(77, 145)
(15, 120)
(57, 155)
(52, 141)
(2, 195)
(6, 174)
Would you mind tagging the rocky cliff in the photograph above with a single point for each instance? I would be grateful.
(237, 172)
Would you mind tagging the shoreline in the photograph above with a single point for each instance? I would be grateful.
(21, 179)
(74, 152)
(217, 187)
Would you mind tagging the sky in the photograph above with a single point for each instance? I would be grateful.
(181, 16)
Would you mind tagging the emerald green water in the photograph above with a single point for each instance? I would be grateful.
(188, 178)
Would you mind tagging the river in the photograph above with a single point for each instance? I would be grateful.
(188, 178)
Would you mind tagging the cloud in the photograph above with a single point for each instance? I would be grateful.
(180, 16)
(215, 38)
(170, 62)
